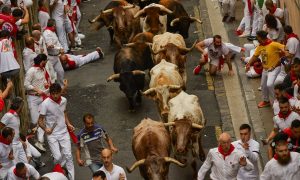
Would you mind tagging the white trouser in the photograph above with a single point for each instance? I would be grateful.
(248, 48)
(61, 32)
(233, 48)
(78, 17)
(252, 73)
(19, 152)
(54, 60)
(258, 21)
(247, 19)
(81, 60)
(34, 103)
(241, 26)
(5, 167)
(32, 151)
(228, 7)
(60, 146)
(280, 77)
(267, 83)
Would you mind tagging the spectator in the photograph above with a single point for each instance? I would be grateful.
(270, 56)
(291, 77)
(284, 165)
(213, 49)
(99, 175)
(250, 148)
(4, 94)
(54, 48)
(280, 93)
(39, 42)
(112, 171)
(70, 62)
(274, 10)
(218, 159)
(274, 28)
(43, 14)
(54, 121)
(292, 43)
(22, 171)
(28, 53)
(283, 120)
(6, 152)
(91, 142)
(294, 136)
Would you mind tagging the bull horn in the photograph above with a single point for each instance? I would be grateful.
(140, 12)
(188, 49)
(197, 126)
(135, 165)
(114, 76)
(148, 91)
(129, 44)
(107, 11)
(196, 19)
(163, 8)
(172, 160)
(129, 6)
(95, 19)
(169, 124)
(174, 22)
(174, 87)
(138, 72)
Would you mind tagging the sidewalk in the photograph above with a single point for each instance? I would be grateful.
(241, 93)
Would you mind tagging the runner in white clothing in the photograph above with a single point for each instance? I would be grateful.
(43, 14)
(250, 148)
(28, 53)
(6, 152)
(284, 165)
(279, 91)
(55, 122)
(274, 10)
(225, 161)
(112, 171)
(291, 43)
(22, 171)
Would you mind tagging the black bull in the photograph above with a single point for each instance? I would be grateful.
(129, 66)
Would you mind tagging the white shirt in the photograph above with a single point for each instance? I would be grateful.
(274, 34)
(281, 123)
(115, 173)
(13, 121)
(43, 18)
(276, 108)
(223, 169)
(40, 46)
(253, 155)
(278, 13)
(31, 172)
(54, 113)
(58, 10)
(52, 39)
(8, 61)
(28, 56)
(35, 78)
(5, 162)
(55, 176)
(215, 53)
(274, 171)
(293, 46)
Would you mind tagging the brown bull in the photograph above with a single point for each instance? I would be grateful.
(151, 147)
(124, 25)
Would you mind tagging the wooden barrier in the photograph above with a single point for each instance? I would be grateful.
(293, 8)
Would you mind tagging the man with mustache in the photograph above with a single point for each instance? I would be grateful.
(284, 165)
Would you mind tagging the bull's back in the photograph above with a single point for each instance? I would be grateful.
(124, 60)
(163, 39)
(115, 3)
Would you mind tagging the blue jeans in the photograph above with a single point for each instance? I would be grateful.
(95, 166)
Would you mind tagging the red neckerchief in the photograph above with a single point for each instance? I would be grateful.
(71, 63)
(12, 112)
(50, 28)
(58, 101)
(220, 149)
(283, 115)
(292, 35)
(43, 9)
(4, 141)
(287, 95)
(272, 11)
(293, 76)
(58, 168)
(47, 77)
(267, 42)
(250, 7)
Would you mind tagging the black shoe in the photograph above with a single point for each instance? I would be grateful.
(225, 18)
(251, 38)
(232, 19)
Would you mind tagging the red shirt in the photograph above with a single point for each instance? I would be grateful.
(2, 104)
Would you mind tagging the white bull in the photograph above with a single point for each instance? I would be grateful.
(165, 84)
(185, 121)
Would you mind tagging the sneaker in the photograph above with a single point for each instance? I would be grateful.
(101, 53)
(244, 35)
(263, 104)
(238, 32)
(251, 38)
(197, 69)
(81, 36)
(40, 146)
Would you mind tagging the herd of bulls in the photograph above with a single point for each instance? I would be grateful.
(146, 33)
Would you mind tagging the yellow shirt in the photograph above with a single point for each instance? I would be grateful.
(270, 54)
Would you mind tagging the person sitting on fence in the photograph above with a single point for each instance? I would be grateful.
(71, 62)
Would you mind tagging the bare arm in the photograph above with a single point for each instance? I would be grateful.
(5, 93)
(25, 20)
(110, 144)
(78, 156)
(200, 46)
(272, 134)
(68, 123)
